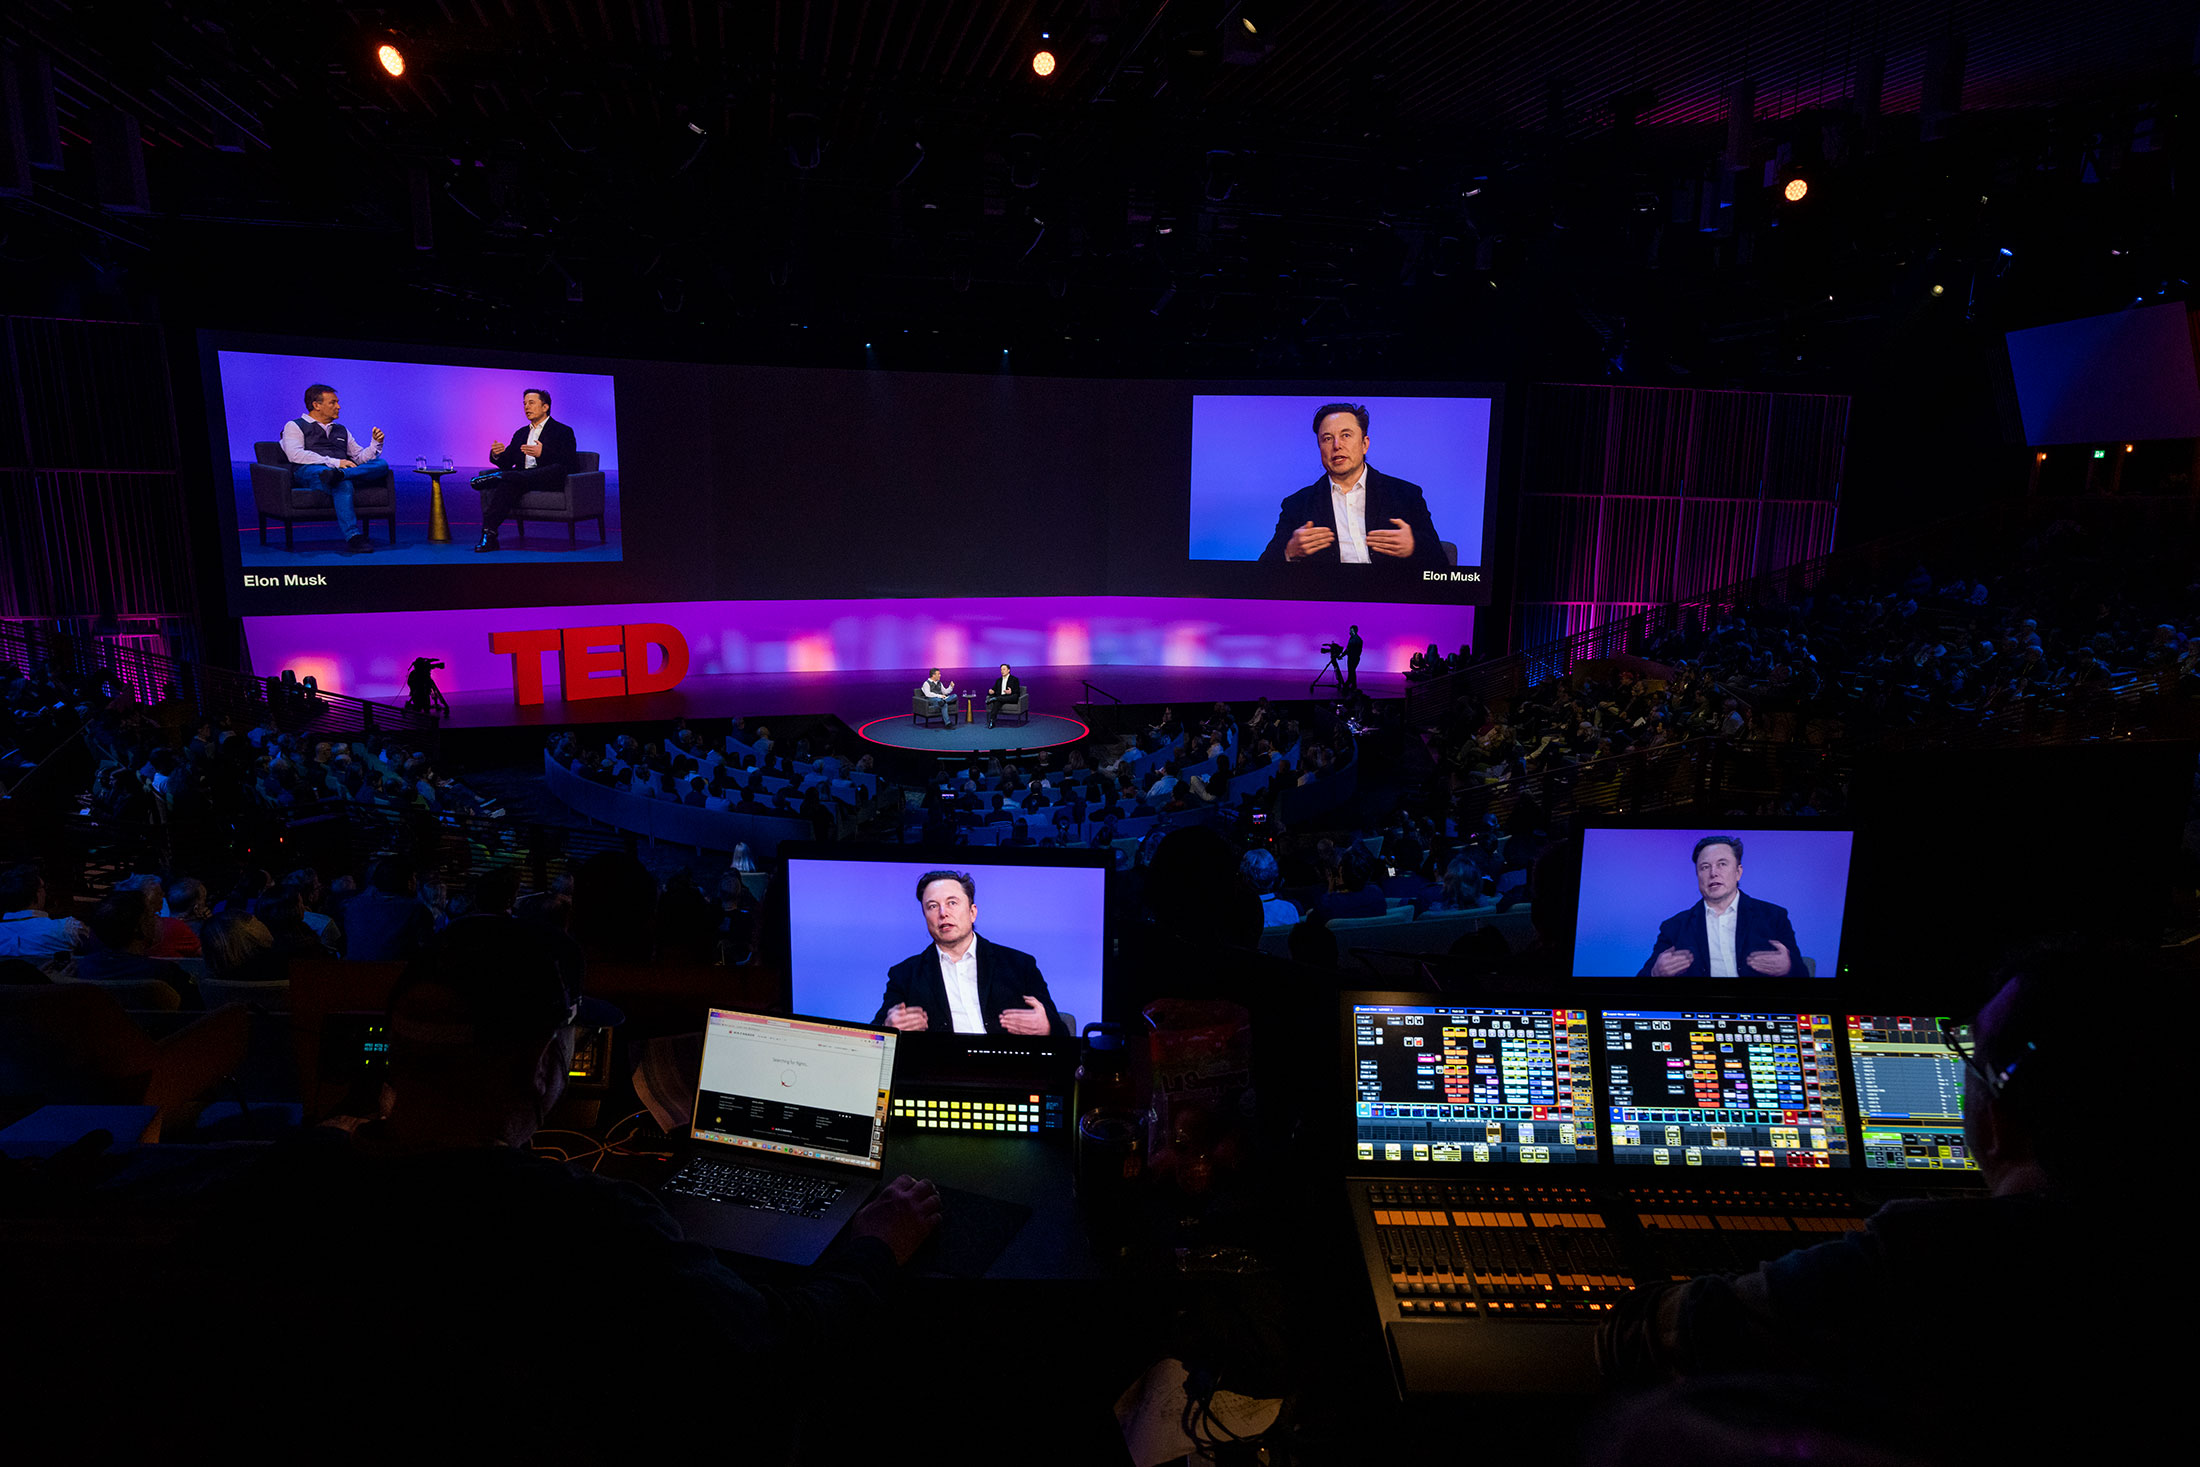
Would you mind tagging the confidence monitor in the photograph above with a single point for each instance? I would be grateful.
(1723, 1089)
(1451, 1085)
(1755, 902)
(1009, 947)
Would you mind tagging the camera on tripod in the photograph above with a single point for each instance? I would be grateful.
(1333, 649)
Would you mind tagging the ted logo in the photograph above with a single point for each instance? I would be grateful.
(594, 662)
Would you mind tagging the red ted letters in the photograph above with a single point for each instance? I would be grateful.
(594, 662)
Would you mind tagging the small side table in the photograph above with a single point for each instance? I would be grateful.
(968, 700)
(439, 524)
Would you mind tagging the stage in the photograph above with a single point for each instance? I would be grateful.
(858, 698)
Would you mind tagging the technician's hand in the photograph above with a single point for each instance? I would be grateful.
(1398, 542)
(496, 446)
(1673, 962)
(532, 450)
(1030, 1019)
(901, 1217)
(1773, 961)
(1308, 539)
(907, 1017)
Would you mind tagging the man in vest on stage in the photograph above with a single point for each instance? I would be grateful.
(324, 456)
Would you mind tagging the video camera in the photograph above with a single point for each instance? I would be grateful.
(1333, 649)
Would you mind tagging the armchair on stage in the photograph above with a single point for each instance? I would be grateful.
(1017, 707)
(579, 498)
(923, 710)
(277, 496)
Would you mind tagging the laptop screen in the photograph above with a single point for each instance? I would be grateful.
(795, 1087)
(1909, 1093)
(1723, 1089)
(1442, 1083)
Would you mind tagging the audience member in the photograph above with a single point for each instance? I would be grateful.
(25, 929)
(125, 928)
(384, 923)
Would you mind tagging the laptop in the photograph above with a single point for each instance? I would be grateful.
(788, 1136)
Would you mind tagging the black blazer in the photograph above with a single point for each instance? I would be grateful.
(1004, 977)
(1758, 925)
(1015, 688)
(560, 454)
(1388, 498)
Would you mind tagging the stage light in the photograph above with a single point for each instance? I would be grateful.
(2008, 253)
(1795, 190)
(2100, 453)
(2127, 448)
(1247, 22)
(1042, 63)
(392, 59)
(2040, 458)
(1940, 290)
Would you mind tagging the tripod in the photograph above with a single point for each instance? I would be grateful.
(1332, 672)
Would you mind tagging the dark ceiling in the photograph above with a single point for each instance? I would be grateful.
(1411, 184)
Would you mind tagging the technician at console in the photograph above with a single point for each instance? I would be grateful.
(962, 983)
(1355, 514)
(324, 456)
(1993, 1302)
(542, 452)
(1726, 933)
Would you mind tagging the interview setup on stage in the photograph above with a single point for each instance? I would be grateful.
(316, 469)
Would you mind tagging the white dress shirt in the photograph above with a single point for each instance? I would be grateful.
(30, 933)
(294, 446)
(1721, 926)
(534, 435)
(1349, 505)
(934, 688)
(961, 978)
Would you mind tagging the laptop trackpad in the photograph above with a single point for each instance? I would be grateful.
(974, 1231)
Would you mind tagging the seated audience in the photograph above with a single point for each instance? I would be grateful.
(1352, 891)
(1263, 875)
(125, 928)
(25, 929)
(384, 923)
(238, 947)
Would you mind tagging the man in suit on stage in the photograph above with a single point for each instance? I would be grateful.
(324, 456)
(539, 457)
(1726, 935)
(1006, 688)
(1355, 514)
(963, 984)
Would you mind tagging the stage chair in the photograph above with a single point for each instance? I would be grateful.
(276, 496)
(1018, 707)
(581, 497)
(923, 710)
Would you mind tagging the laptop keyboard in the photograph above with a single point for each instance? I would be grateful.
(755, 1186)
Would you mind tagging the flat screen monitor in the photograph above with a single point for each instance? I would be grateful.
(863, 939)
(1471, 1086)
(1723, 1089)
(1747, 903)
(1909, 1092)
